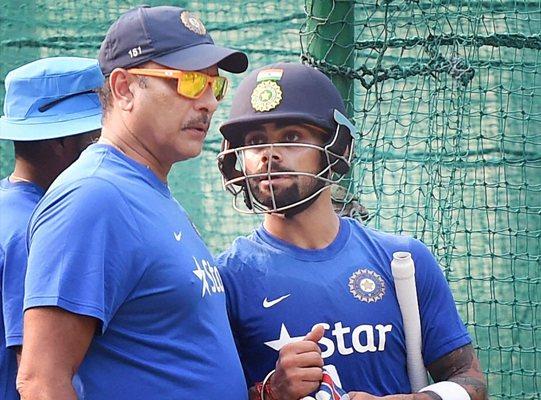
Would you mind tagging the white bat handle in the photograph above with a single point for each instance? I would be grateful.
(403, 270)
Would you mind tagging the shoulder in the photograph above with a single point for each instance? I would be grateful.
(92, 191)
(237, 255)
(376, 238)
(90, 202)
(16, 207)
(247, 256)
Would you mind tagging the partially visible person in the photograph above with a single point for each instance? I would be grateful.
(51, 113)
(120, 287)
(305, 268)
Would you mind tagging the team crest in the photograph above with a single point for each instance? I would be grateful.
(366, 285)
(266, 96)
(192, 22)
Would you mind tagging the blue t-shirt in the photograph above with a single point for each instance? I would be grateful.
(108, 240)
(277, 293)
(17, 201)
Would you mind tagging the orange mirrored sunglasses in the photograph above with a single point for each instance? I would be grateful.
(191, 84)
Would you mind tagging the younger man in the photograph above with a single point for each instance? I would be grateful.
(286, 141)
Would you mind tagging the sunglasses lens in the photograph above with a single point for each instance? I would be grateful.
(192, 84)
(219, 87)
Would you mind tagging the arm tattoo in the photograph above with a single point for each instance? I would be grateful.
(461, 366)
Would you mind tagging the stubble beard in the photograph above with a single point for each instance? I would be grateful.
(283, 197)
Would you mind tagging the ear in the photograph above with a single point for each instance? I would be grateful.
(120, 81)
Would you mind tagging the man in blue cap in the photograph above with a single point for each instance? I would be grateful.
(120, 287)
(51, 113)
(306, 270)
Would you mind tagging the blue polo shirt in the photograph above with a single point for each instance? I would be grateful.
(17, 202)
(109, 241)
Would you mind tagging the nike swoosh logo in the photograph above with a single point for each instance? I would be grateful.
(177, 236)
(269, 303)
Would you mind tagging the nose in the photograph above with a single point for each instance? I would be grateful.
(270, 154)
(207, 102)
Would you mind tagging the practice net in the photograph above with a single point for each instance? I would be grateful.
(447, 99)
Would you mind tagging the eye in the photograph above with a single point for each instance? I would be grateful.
(292, 136)
(254, 139)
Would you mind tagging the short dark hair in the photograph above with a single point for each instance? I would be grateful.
(105, 92)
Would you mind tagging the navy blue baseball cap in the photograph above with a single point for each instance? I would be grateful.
(170, 36)
(283, 92)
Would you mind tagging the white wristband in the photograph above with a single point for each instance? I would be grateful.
(448, 391)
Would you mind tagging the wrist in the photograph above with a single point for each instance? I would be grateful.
(263, 390)
(446, 390)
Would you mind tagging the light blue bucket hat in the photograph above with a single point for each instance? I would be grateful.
(52, 98)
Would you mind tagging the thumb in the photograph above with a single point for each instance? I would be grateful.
(315, 334)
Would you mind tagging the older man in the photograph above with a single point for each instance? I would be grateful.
(51, 113)
(128, 294)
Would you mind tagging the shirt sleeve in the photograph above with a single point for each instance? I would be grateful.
(14, 257)
(83, 245)
(442, 328)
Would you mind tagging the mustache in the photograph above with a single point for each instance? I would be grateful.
(271, 171)
(202, 121)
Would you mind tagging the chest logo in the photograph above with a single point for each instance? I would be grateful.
(366, 285)
(269, 303)
(209, 277)
(177, 235)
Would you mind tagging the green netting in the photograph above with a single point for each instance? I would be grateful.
(267, 30)
(447, 99)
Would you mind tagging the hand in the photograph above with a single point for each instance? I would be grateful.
(299, 367)
(361, 396)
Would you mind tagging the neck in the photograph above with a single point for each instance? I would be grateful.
(42, 176)
(314, 228)
(128, 143)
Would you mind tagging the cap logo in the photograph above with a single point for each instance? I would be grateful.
(266, 96)
(192, 22)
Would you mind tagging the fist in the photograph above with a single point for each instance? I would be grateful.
(299, 368)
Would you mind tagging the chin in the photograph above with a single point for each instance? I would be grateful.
(189, 152)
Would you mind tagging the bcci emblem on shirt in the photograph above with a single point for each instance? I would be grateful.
(366, 285)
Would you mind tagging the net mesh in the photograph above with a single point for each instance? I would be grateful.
(446, 96)
(266, 31)
(447, 99)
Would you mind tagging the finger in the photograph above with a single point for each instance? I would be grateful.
(312, 374)
(300, 347)
(305, 388)
(315, 334)
(304, 360)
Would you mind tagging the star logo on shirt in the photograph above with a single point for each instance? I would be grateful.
(209, 277)
(200, 273)
(285, 338)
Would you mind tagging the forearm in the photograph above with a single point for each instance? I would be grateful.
(55, 342)
(462, 367)
(33, 385)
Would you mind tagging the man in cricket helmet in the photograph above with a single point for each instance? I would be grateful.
(288, 98)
